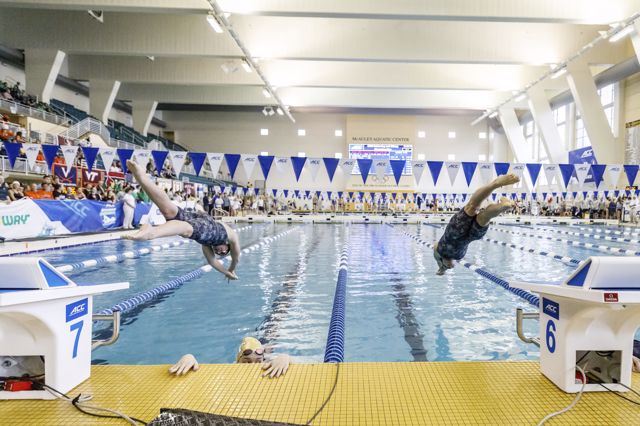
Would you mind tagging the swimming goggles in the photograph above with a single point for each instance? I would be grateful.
(247, 352)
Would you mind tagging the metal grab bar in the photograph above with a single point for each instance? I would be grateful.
(520, 316)
(115, 317)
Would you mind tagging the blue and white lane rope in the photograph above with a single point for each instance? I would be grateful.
(549, 254)
(334, 351)
(623, 251)
(132, 254)
(594, 236)
(531, 298)
(143, 297)
(609, 231)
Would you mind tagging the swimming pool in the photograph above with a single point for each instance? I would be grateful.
(397, 309)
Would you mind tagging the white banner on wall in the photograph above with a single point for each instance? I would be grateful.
(313, 165)
(282, 164)
(517, 169)
(582, 170)
(347, 165)
(215, 160)
(69, 153)
(486, 172)
(380, 166)
(614, 171)
(177, 160)
(453, 168)
(249, 162)
(550, 172)
(418, 170)
(141, 157)
(107, 154)
(31, 150)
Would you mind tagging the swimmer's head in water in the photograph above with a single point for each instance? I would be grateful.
(250, 351)
(443, 264)
(222, 249)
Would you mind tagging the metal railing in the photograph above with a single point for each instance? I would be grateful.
(17, 108)
(88, 125)
(520, 317)
(115, 318)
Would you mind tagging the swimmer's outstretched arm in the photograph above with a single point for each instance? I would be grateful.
(234, 245)
(216, 264)
(185, 364)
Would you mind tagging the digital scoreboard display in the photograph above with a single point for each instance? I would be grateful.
(382, 152)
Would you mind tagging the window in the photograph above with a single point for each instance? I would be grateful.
(608, 100)
(560, 115)
(582, 138)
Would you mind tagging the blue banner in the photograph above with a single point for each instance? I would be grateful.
(124, 155)
(330, 164)
(50, 152)
(583, 156)
(90, 155)
(567, 171)
(501, 168)
(159, 158)
(364, 164)
(265, 164)
(631, 171)
(597, 171)
(232, 163)
(469, 168)
(396, 167)
(197, 158)
(298, 164)
(534, 171)
(435, 167)
(13, 150)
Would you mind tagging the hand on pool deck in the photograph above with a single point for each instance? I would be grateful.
(187, 363)
(277, 367)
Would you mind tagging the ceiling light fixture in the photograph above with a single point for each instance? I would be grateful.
(213, 21)
(270, 111)
(280, 111)
(264, 111)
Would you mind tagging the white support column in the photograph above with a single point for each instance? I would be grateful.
(143, 114)
(635, 38)
(544, 119)
(41, 67)
(585, 95)
(512, 129)
(102, 94)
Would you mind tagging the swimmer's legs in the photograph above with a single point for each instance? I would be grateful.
(168, 229)
(494, 210)
(157, 195)
(484, 192)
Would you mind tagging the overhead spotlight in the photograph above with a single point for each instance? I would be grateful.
(264, 111)
(229, 67)
(98, 15)
(246, 66)
(621, 34)
(151, 58)
(280, 111)
(215, 24)
(266, 93)
(271, 111)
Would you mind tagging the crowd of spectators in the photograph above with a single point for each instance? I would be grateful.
(15, 93)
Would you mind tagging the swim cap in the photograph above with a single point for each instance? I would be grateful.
(247, 343)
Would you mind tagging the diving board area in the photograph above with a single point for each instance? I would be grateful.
(417, 393)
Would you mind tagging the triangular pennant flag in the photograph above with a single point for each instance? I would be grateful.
(606, 193)
(107, 155)
(597, 170)
(494, 195)
(330, 164)
(197, 159)
(517, 169)
(582, 170)
(544, 195)
(215, 161)
(340, 193)
(286, 193)
(177, 159)
(513, 195)
(265, 164)
(550, 172)
(31, 150)
(281, 164)
(417, 168)
(453, 168)
(584, 195)
(435, 167)
(124, 155)
(313, 165)
(566, 170)
(501, 168)
(613, 171)
(329, 195)
(469, 169)
(351, 195)
(296, 192)
(380, 168)
(298, 164)
(69, 153)
(347, 165)
(394, 195)
(574, 195)
(631, 170)
(50, 153)
(249, 162)
(90, 154)
(486, 172)
(564, 195)
(464, 197)
(232, 163)
(141, 157)
(364, 164)
(159, 158)
(534, 171)
(307, 194)
(245, 190)
(275, 192)
(396, 167)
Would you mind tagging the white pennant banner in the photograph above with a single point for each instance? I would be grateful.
(453, 168)
(31, 150)
(69, 152)
(249, 161)
(107, 155)
(215, 160)
(486, 172)
(517, 169)
(418, 170)
(177, 160)
(313, 165)
(614, 170)
(380, 166)
(550, 172)
(282, 164)
(141, 157)
(347, 165)
(582, 170)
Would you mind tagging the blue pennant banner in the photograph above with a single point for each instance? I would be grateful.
(331, 164)
(364, 164)
(396, 167)
(197, 158)
(298, 164)
(631, 172)
(232, 163)
(501, 168)
(566, 170)
(124, 155)
(435, 167)
(50, 152)
(13, 150)
(534, 171)
(159, 158)
(469, 169)
(597, 171)
(90, 155)
(266, 161)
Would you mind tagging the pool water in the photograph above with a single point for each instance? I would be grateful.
(397, 309)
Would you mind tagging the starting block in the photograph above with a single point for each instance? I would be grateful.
(45, 318)
(590, 320)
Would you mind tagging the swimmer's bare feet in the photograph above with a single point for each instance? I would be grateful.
(133, 167)
(502, 180)
(142, 234)
(505, 204)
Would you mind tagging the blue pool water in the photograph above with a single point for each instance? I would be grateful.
(397, 308)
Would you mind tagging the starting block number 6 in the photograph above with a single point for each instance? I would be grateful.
(551, 336)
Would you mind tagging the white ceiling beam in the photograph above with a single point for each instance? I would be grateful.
(539, 11)
(205, 95)
(147, 6)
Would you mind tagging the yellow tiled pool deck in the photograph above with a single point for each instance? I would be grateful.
(428, 393)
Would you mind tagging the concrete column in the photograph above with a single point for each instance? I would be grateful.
(41, 68)
(102, 94)
(143, 114)
(512, 129)
(585, 95)
(544, 119)
(635, 38)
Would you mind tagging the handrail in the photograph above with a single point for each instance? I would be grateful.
(18, 108)
(520, 316)
(115, 317)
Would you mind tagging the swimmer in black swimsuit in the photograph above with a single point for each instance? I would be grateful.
(470, 223)
(217, 239)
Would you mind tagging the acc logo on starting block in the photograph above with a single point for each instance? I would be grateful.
(77, 309)
(551, 308)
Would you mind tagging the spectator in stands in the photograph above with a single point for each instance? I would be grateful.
(15, 191)
(4, 191)
(31, 191)
(128, 207)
